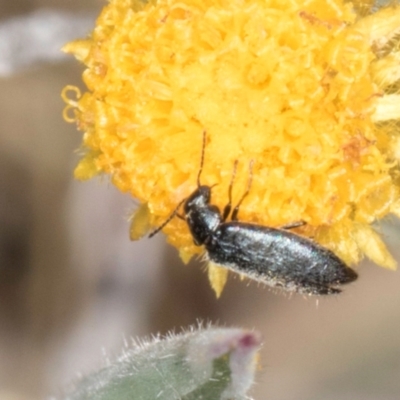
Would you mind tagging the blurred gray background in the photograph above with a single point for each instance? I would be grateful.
(72, 286)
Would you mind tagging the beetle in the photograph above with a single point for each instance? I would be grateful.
(277, 257)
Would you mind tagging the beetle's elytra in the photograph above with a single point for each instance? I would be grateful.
(276, 257)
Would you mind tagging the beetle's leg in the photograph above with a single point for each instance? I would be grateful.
(202, 158)
(236, 209)
(292, 225)
(228, 207)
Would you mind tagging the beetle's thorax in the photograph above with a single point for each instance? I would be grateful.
(201, 217)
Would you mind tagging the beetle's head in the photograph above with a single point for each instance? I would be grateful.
(199, 198)
(201, 216)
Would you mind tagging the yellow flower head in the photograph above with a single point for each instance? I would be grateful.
(306, 89)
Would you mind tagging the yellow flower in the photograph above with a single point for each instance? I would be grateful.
(307, 89)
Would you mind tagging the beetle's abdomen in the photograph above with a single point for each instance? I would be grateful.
(278, 258)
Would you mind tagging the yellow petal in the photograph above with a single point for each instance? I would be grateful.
(79, 48)
(381, 26)
(386, 70)
(140, 222)
(387, 108)
(395, 208)
(87, 168)
(185, 255)
(371, 244)
(218, 277)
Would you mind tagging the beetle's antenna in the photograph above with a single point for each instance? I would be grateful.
(202, 159)
(167, 220)
(236, 209)
(228, 207)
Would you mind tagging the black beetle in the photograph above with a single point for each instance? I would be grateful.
(274, 256)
